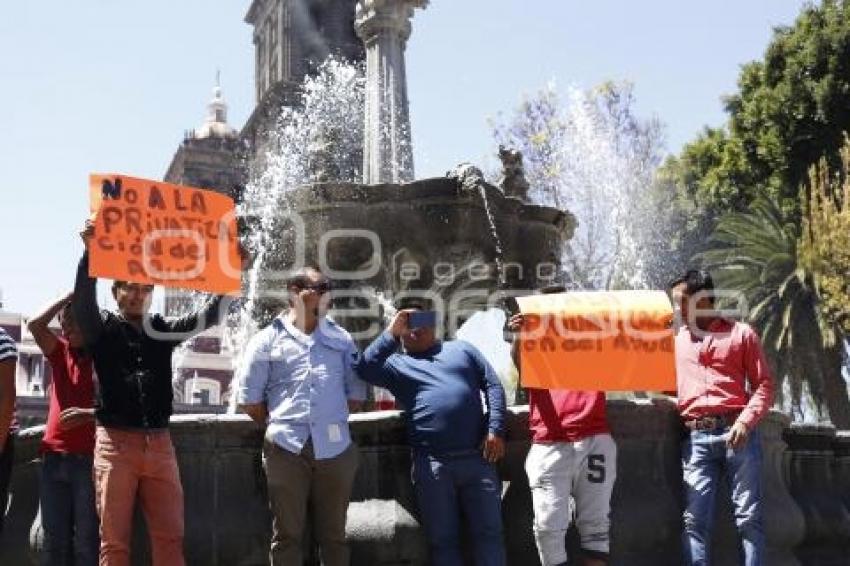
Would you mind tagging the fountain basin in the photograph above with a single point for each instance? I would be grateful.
(228, 523)
(437, 235)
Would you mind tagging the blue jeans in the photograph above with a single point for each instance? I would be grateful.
(68, 513)
(448, 485)
(705, 458)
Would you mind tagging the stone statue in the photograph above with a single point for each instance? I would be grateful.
(513, 181)
(468, 176)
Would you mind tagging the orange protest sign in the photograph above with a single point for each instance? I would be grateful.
(598, 341)
(152, 232)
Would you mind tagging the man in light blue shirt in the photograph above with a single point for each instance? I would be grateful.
(296, 380)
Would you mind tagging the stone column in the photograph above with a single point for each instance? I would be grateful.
(384, 27)
(842, 465)
(784, 523)
(815, 488)
(646, 506)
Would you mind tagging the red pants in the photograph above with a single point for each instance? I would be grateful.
(128, 464)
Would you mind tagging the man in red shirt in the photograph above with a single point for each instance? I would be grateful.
(724, 388)
(68, 514)
(572, 455)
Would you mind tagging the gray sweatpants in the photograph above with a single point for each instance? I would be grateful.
(567, 478)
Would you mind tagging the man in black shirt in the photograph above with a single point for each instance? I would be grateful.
(134, 455)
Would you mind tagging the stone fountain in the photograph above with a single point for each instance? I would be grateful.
(467, 243)
(462, 241)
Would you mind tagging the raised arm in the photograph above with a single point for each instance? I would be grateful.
(372, 365)
(39, 325)
(86, 312)
(207, 316)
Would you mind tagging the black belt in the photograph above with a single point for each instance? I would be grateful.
(711, 422)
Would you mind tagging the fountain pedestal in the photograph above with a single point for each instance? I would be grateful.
(384, 27)
(228, 522)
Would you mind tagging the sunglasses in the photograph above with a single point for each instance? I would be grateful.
(320, 288)
(144, 289)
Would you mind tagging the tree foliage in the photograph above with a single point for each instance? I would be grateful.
(792, 108)
(825, 240)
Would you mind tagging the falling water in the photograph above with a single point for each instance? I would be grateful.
(319, 140)
(598, 162)
(495, 233)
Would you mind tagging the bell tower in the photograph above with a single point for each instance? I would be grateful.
(291, 38)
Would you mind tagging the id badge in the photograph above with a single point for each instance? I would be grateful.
(334, 433)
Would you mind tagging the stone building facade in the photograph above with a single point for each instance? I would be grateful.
(291, 39)
(33, 373)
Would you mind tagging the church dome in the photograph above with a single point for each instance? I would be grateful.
(215, 125)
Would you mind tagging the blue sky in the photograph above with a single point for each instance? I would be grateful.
(94, 85)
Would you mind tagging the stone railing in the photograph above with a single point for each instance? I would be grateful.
(806, 485)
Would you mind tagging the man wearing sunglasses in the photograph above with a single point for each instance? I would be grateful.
(297, 381)
(134, 457)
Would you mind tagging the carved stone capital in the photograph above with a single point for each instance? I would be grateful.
(373, 18)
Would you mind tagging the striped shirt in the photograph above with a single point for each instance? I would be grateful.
(8, 351)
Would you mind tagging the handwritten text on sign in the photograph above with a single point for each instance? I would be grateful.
(152, 232)
(598, 341)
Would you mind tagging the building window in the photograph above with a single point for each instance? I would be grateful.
(286, 41)
(273, 30)
(202, 391)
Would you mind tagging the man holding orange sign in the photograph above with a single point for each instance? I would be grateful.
(157, 233)
(134, 456)
(598, 341)
(572, 456)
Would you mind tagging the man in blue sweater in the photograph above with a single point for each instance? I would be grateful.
(455, 443)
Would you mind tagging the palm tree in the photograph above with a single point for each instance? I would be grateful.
(756, 253)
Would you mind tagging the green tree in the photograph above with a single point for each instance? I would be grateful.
(825, 241)
(791, 109)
